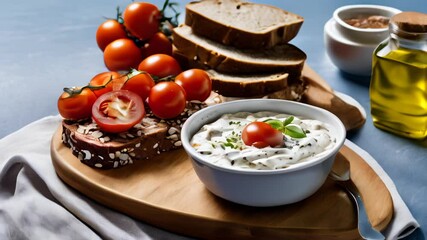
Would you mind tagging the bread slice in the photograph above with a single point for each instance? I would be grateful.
(145, 140)
(226, 59)
(247, 85)
(237, 85)
(233, 22)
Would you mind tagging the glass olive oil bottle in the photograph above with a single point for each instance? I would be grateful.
(398, 90)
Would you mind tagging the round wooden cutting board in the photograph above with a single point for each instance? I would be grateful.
(166, 192)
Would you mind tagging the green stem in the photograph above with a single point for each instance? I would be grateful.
(165, 5)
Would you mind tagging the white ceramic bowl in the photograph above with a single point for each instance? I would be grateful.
(350, 48)
(263, 188)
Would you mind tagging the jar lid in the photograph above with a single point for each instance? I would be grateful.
(409, 25)
(411, 21)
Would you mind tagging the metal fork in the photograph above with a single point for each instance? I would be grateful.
(341, 174)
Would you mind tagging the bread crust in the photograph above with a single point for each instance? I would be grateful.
(213, 59)
(228, 34)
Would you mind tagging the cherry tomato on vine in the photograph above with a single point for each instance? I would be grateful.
(196, 83)
(167, 100)
(261, 134)
(109, 31)
(141, 84)
(118, 111)
(142, 19)
(122, 55)
(103, 79)
(160, 65)
(159, 43)
(76, 106)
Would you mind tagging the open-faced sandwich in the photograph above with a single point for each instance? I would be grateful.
(119, 118)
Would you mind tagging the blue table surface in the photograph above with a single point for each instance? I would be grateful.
(46, 45)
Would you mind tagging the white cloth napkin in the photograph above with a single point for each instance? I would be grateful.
(403, 223)
(36, 204)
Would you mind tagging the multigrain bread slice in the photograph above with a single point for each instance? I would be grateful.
(226, 59)
(233, 22)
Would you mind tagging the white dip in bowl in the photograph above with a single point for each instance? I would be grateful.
(259, 180)
(221, 142)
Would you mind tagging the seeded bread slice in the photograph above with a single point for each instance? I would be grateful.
(151, 137)
(226, 59)
(242, 24)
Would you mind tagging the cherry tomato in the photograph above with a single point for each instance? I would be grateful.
(196, 83)
(78, 106)
(118, 111)
(109, 31)
(141, 84)
(103, 79)
(159, 43)
(142, 19)
(261, 134)
(167, 100)
(160, 65)
(122, 55)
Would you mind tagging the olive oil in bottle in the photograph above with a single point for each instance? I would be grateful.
(398, 90)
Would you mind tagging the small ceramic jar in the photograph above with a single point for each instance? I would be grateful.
(353, 33)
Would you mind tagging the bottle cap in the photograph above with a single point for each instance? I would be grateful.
(409, 25)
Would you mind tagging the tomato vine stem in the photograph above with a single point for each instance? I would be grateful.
(72, 91)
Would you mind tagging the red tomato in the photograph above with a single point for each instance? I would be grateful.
(167, 100)
(122, 55)
(140, 84)
(196, 83)
(109, 31)
(142, 19)
(103, 79)
(160, 65)
(78, 106)
(159, 43)
(118, 111)
(261, 134)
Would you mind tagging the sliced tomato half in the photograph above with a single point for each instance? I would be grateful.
(118, 111)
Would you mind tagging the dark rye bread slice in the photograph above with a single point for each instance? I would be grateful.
(146, 140)
(247, 85)
(233, 22)
(226, 59)
(294, 91)
(229, 86)
(234, 85)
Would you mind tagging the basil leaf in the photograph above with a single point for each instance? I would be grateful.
(288, 120)
(286, 127)
(276, 124)
(294, 131)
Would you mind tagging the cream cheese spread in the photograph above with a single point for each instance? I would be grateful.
(221, 144)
